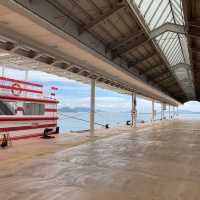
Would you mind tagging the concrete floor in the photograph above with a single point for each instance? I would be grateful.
(157, 163)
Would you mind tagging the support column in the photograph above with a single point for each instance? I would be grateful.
(152, 112)
(26, 75)
(26, 79)
(92, 107)
(163, 111)
(3, 70)
(133, 111)
(173, 112)
(177, 112)
(169, 112)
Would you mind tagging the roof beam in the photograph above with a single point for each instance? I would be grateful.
(194, 23)
(169, 87)
(160, 80)
(102, 17)
(165, 75)
(167, 27)
(139, 42)
(158, 74)
(167, 82)
(132, 64)
(153, 68)
(194, 35)
(125, 40)
(195, 50)
(194, 29)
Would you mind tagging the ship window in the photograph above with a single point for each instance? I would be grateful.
(7, 107)
(33, 109)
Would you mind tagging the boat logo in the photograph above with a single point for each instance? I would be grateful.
(16, 89)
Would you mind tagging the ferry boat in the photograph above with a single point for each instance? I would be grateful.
(25, 111)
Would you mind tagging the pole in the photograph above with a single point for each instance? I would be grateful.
(3, 70)
(133, 111)
(162, 111)
(153, 112)
(173, 112)
(26, 75)
(169, 112)
(92, 107)
(26, 79)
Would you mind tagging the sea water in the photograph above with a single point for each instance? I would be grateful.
(66, 123)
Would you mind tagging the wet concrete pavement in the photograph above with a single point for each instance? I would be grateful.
(157, 163)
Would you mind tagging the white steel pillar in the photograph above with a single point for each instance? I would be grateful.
(163, 111)
(26, 79)
(26, 75)
(3, 70)
(173, 112)
(133, 111)
(169, 112)
(92, 107)
(153, 112)
(177, 111)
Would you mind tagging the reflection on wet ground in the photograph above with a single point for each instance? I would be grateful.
(158, 163)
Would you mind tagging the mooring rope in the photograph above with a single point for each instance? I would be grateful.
(80, 119)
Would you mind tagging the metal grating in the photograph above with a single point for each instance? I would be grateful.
(170, 44)
(159, 12)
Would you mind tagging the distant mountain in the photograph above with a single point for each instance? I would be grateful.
(75, 110)
(188, 112)
(158, 112)
(86, 109)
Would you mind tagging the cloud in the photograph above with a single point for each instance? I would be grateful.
(35, 76)
(112, 104)
(191, 105)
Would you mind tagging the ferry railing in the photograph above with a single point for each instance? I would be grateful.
(83, 120)
(104, 124)
(9, 86)
(111, 122)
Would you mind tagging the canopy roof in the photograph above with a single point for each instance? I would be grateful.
(146, 38)
(192, 16)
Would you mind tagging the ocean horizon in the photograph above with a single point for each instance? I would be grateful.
(80, 120)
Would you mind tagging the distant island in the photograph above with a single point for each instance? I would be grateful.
(86, 110)
(187, 112)
(76, 109)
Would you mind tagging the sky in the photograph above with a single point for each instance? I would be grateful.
(76, 94)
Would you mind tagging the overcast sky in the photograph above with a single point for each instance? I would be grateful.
(72, 93)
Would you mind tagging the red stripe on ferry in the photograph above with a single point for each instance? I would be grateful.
(26, 136)
(20, 98)
(17, 118)
(20, 89)
(22, 128)
(18, 81)
(50, 110)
